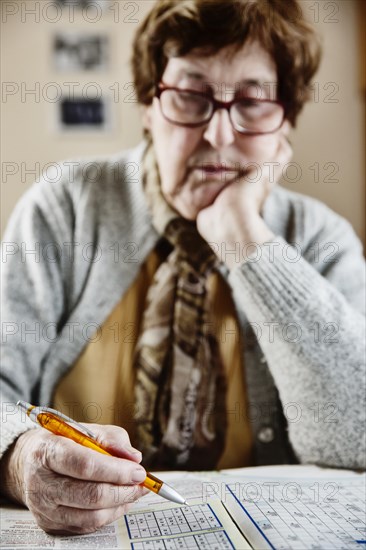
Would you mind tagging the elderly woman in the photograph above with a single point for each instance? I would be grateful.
(217, 318)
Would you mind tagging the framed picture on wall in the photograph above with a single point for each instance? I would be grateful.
(80, 52)
(80, 114)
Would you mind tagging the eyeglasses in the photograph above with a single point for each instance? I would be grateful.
(190, 108)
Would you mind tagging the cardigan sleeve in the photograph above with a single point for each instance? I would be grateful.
(307, 301)
(34, 301)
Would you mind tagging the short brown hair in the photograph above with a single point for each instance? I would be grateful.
(176, 27)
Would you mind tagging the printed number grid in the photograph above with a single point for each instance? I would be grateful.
(337, 523)
(173, 521)
(208, 541)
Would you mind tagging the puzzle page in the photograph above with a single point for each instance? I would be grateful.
(289, 514)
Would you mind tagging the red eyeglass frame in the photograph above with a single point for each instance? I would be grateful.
(217, 104)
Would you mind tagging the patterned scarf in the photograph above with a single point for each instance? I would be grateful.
(180, 379)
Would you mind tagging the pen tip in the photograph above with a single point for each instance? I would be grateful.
(186, 503)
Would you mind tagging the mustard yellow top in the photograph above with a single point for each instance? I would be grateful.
(100, 385)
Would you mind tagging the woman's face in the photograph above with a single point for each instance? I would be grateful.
(195, 164)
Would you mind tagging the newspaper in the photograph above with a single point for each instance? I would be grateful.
(281, 508)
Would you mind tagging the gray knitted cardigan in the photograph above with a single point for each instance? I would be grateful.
(75, 244)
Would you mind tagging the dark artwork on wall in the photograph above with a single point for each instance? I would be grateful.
(80, 113)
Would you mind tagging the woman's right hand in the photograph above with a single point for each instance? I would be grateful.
(71, 489)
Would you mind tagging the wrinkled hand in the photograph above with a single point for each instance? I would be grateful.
(71, 489)
(235, 216)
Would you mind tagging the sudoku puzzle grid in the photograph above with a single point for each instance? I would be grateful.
(172, 521)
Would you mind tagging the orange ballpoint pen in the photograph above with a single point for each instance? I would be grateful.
(59, 424)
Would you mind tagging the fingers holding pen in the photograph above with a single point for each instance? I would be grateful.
(68, 458)
(72, 489)
(116, 441)
(88, 495)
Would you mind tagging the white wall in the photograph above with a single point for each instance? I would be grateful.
(335, 132)
(327, 132)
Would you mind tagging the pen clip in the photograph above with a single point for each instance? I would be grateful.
(33, 411)
(67, 419)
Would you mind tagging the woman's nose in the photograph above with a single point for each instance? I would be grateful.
(220, 132)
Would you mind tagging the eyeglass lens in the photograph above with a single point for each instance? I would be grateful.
(247, 114)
